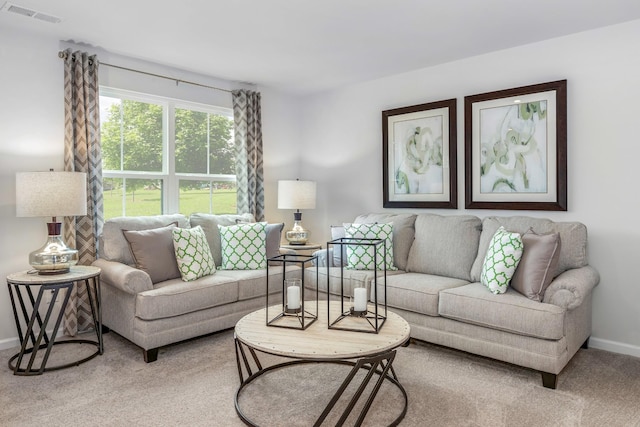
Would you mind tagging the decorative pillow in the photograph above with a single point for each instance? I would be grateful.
(210, 223)
(192, 253)
(274, 235)
(153, 252)
(243, 246)
(537, 265)
(501, 261)
(360, 257)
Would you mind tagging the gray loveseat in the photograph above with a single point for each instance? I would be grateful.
(152, 315)
(437, 289)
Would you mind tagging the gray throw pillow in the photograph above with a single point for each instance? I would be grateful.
(274, 232)
(537, 265)
(154, 253)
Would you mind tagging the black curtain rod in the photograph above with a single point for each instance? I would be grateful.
(65, 55)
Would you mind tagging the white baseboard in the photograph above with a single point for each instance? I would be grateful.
(614, 347)
(9, 343)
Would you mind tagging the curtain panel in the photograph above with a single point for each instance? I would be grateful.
(82, 154)
(248, 149)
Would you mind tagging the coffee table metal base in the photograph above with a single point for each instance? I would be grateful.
(380, 366)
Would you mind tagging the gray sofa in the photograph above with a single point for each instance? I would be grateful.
(153, 315)
(437, 289)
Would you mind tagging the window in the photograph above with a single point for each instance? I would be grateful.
(164, 155)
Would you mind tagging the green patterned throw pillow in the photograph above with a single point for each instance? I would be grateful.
(243, 246)
(501, 261)
(193, 253)
(360, 257)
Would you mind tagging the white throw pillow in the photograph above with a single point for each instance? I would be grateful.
(360, 257)
(501, 261)
(193, 253)
(243, 246)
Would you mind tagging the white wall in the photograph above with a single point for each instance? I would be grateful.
(343, 150)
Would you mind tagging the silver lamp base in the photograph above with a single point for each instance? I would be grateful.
(54, 257)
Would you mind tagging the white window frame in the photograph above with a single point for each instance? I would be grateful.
(171, 179)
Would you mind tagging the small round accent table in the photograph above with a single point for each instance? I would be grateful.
(26, 303)
(318, 344)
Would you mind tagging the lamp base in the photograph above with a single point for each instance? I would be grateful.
(298, 235)
(54, 257)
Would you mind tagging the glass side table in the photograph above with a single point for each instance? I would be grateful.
(26, 303)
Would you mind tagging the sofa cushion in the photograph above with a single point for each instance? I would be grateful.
(501, 261)
(417, 292)
(251, 283)
(243, 246)
(444, 245)
(175, 297)
(210, 223)
(537, 265)
(350, 278)
(361, 257)
(153, 252)
(403, 232)
(112, 244)
(192, 253)
(511, 311)
(573, 253)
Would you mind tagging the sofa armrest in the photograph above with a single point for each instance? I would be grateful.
(570, 288)
(324, 257)
(124, 277)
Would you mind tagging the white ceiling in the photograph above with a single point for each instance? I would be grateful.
(303, 46)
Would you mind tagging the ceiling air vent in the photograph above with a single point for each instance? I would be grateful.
(30, 13)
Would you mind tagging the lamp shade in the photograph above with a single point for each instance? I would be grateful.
(296, 194)
(51, 194)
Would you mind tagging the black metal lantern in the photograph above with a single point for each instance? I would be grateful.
(361, 309)
(297, 305)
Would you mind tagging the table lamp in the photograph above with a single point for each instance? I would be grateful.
(297, 195)
(52, 194)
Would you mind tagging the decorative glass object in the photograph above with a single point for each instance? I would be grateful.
(292, 303)
(362, 308)
(54, 257)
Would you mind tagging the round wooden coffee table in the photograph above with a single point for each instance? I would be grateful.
(373, 352)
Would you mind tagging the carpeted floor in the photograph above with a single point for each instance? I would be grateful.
(193, 384)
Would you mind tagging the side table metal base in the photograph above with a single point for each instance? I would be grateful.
(26, 308)
(24, 371)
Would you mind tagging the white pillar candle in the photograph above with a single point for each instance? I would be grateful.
(360, 299)
(293, 297)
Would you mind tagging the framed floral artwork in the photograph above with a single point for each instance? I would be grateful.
(419, 156)
(516, 148)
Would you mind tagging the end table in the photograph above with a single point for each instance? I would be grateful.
(306, 249)
(28, 305)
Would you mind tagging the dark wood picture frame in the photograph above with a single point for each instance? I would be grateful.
(516, 148)
(419, 150)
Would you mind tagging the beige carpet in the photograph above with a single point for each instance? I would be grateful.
(193, 384)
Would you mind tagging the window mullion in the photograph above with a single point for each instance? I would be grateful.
(172, 190)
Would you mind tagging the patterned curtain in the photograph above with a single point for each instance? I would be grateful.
(248, 138)
(82, 154)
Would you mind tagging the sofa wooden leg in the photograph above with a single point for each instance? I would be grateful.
(150, 355)
(105, 329)
(585, 344)
(549, 380)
